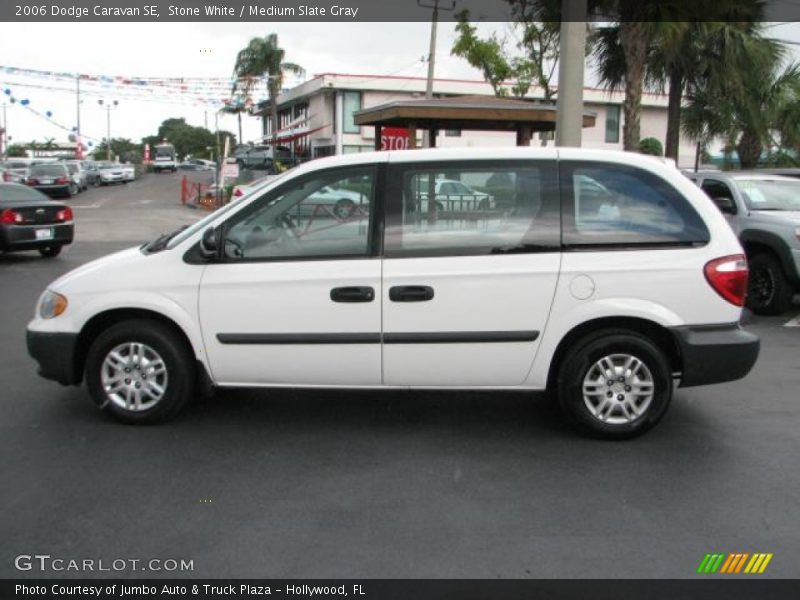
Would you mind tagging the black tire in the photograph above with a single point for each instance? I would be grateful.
(173, 350)
(50, 251)
(768, 290)
(581, 359)
(344, 208)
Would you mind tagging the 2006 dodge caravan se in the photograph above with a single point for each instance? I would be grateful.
(606, 278)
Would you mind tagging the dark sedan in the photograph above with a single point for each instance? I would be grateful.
(53, 179)
(29, 220)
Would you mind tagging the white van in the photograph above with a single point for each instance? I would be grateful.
(606, 278)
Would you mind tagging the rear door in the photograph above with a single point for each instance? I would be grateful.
(467, 287)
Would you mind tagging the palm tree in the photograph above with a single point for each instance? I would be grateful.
(262, 57)
(753, 103)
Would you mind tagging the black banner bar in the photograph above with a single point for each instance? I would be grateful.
(731, 588)
(348, 11)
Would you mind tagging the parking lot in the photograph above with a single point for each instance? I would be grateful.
(292, 483)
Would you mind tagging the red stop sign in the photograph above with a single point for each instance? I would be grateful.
(394, 138)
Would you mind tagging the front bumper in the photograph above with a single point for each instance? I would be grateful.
(715, 353)
(55, 353)
(23, 237)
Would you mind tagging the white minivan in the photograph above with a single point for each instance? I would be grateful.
(606, 278)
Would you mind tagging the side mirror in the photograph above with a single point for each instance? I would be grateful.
(725, 205)
(209, 243)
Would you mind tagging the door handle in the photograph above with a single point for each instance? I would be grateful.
(410, 293)
(353, 294)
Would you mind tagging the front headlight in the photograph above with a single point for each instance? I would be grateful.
(52, 305)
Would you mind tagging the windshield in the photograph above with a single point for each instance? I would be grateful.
(204, 222)
(770, 194)
(165, 151)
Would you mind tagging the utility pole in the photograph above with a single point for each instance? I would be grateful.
(569, 105)
(78, 105)
(432, 51)
(4, 135)
(108, 108)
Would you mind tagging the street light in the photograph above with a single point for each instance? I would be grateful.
(108, 106)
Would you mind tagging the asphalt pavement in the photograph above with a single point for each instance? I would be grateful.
(302, 484)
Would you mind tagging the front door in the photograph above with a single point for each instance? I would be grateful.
(468, 283)
(296, 297)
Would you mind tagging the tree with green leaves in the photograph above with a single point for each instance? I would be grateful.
(537, 46)
(188, 139)
(263, 57)
(125, 149)
(16, 151)
(672, 45)
(754, 103)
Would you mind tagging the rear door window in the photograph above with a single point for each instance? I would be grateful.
(615, 205)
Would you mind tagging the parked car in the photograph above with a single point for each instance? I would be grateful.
(54, 179)
(128, 172)
(454, 195)
(15, 171)
(197, 164)
(78, 174)
(262, 157)
(764, 211)
(109, 173)
(29, 220)
(607, 312)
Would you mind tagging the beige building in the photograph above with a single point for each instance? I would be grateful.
(316, 117)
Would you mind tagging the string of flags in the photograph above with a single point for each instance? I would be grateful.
(210, 91)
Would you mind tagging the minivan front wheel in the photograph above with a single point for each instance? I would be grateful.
(615, 384)
(140, 371)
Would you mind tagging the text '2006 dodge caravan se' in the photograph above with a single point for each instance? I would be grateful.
(606, 278)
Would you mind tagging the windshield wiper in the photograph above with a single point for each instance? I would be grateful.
(161, 241)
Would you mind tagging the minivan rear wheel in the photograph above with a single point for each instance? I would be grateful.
(614, 384)
(140, 371)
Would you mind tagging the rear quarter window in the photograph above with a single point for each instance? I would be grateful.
(607, 204)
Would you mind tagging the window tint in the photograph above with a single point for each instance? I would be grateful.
(473, 208)
(325, 215)
(617, 205)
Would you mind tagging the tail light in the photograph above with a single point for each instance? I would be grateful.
(6, 176)
(65, 214)
(62, 180)
(728, 276)
(237, 192)
(10, 217)
(32, 181)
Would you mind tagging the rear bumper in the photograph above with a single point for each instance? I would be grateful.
(715, 353)
(53, 190)
(55, 353)
(23, 237)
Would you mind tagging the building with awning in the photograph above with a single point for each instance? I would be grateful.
(318, 117)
